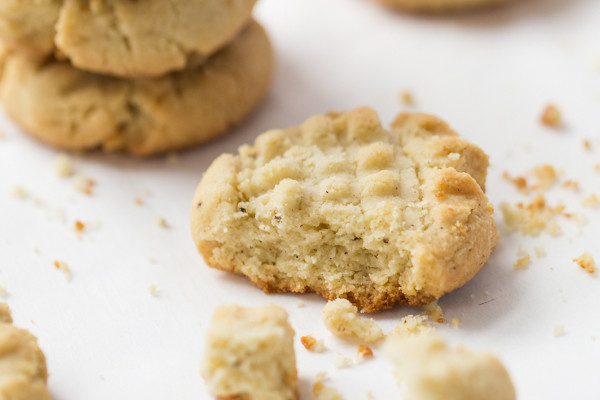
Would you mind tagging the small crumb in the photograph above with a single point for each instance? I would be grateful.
(341, 318)
(172, 158)
(455, 322)
(559, 330)
(587, 144)
(3, 292)
(322, 392)
(36, 250)
(597, 167)
(83, 184)
(523, 262)
(407, 98)
(343, 362)
(20, 192)
(161, 222)
(411, 325)
(434, 311)
(152, 259)
(300, 304)
(586, 261)
(546, 176)
(64, 268)
(519, 182)
(571, 184)
(138, 201)
(590, 201)
(79, 226)
(63, 166)
(539, 251)
(153, 289)
(312, 344)
(321, 376)
(454, 156)
(363, 352)
(370, 395)
(551, 116)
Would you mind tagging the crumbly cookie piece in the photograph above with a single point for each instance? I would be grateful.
(433, 371)
(76, 110)
(122, 37)
(23, 372)
(250, 354)
(439, 5)
(341, 318)
(341, 207)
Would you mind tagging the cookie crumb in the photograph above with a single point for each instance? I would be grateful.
(152, 259)
(300, 304)
(590, 201)
(597, 167)
(532, 218)
(571, 184)
(412, 324)
(153, 289)
(83, 184)
(161, 223)
(20, 192)
(434, 311)
(79, 226)
(341, 318)
(520, 182)
(312, 344)
(63, 166)
(64, 268)
(3, 292)
(586, 261)
(587, 144)
(551, 116)
(363, 352)
(546, 176)
(343, 362)
(138, 201)
(322, 376)
(559, 330)
(523, 262)
(539, 251)
(322, 392)
(407, 98)
(455, 322)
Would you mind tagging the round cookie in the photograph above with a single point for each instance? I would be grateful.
(77, 110)
(439, 5)
(342, 207)
(124, 38)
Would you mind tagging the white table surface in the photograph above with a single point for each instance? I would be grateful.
(489, 74)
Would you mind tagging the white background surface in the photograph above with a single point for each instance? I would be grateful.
(489, 74)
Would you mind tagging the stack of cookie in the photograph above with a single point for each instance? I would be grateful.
(123, 75)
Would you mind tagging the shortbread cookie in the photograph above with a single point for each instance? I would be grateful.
(76, 110)
(23, 372)
(123, 37)
(431, 370)
(341, 207)
(250, 354)
(440, 5)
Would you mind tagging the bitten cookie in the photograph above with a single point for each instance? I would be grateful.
(440, 5)
(341, 207)
(76, 110)
(433, 371)
(123, 37)
(250, 354)
(23, 372)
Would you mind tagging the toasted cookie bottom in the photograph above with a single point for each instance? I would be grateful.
(77, 110)
(439, 5)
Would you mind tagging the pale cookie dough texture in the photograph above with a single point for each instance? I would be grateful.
(341, 318)
(76, 110)
(431, 370)
(250, 354)
(23, 372)
(341, 207)
(440, 5)
(125, 38)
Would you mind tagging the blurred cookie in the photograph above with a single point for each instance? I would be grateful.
(23, 373)
(77, 110)
(341, 207)
(439, 5)
(123, 37)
